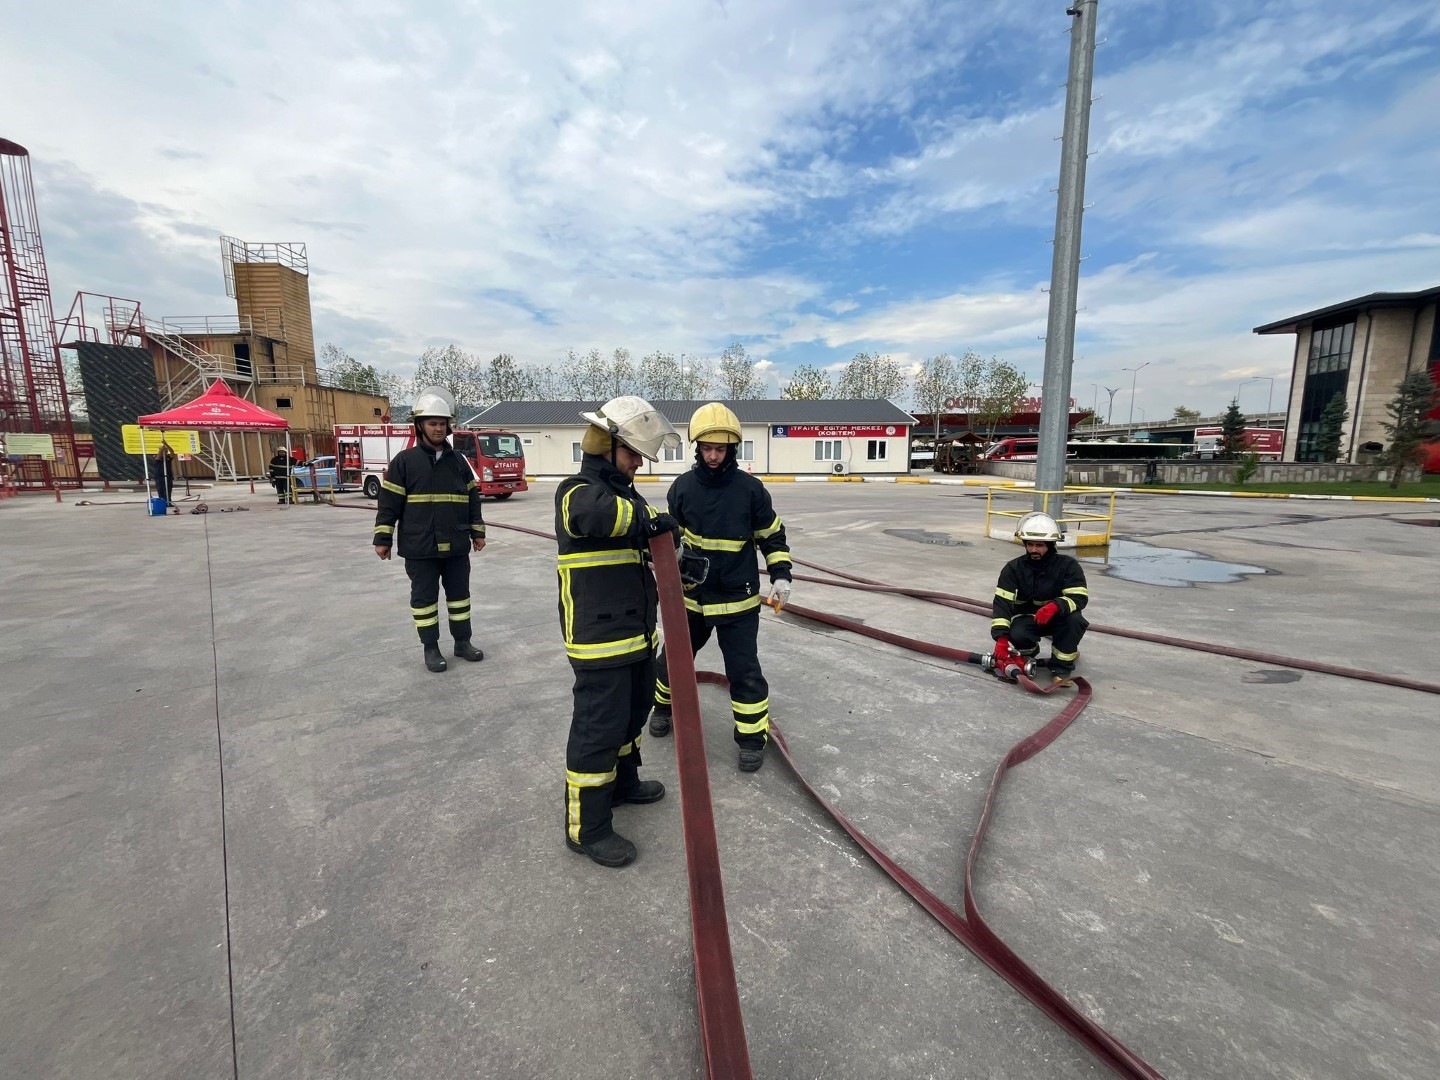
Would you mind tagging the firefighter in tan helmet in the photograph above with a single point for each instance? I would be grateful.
(726, 515)
(608, 615)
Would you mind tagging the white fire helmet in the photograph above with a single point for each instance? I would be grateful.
(1037, 526)
(433, 401)
(637, 424)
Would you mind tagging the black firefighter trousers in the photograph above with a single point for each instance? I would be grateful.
(426, 576)
(1064, 632)
(602, 758)
(749, 692)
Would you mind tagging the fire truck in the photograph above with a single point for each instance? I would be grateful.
(364, 451)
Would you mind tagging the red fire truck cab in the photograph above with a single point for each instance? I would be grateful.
(364, 451)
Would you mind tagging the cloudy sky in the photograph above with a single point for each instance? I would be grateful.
(812, 178)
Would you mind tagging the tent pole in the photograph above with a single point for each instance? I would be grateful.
(290, 477)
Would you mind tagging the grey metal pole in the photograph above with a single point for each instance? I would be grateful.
(1065, 266)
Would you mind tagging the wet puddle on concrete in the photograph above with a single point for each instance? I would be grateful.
(921, 536)
(1174, 568)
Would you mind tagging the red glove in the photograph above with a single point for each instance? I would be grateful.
(1046, 613)
(1003, 651)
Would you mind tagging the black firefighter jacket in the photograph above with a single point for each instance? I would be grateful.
(726, 515)
(1026, 585)
(430, 505)
(608, 596)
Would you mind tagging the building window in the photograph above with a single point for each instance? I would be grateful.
(875, 450)
(827, 449)
(1330, 348)
(1327, 371)
(674, 453)
(282, 403)
(376, 412)
(747, 451)
(574, 451)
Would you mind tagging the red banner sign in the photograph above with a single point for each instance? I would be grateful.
(839, 431)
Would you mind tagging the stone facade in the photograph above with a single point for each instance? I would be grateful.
(1133, 473)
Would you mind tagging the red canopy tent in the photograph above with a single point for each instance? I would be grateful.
(218, 409)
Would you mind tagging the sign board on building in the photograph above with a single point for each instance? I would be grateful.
(1029, 404)
(19, 444)
(146, 442)
(838, 431)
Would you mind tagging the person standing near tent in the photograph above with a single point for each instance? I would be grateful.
(162, 471)
(430, 501)
(280, 473)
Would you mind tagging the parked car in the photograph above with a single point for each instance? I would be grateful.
(326, 476)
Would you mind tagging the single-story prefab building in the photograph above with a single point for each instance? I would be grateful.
(793, 438)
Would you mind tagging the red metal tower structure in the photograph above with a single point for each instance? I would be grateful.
(32, 378)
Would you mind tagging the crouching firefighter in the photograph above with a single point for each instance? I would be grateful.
(429, 502)
(1040, 595)
(608, 602)
(724, 515)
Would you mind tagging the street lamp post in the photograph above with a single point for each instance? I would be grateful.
(1134, 374)
(1269, 397)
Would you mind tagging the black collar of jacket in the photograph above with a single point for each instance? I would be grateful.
(717, 477)
(422, 444)
(599, 468)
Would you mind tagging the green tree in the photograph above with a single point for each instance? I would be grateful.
(1002, 389)
(659, 377)
(1232, 431)
(346, 373)
(1332, 421)
(506, 380)
(735, 375)
(1408, 428)
(457, 371)
(874, 376)
(1183, 413)
(807, 383)
(936, 382)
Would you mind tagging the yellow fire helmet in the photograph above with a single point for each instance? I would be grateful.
(714, 423)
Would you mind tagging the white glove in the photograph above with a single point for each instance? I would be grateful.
(779, 594)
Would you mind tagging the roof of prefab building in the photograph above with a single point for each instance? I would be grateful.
(513, 414)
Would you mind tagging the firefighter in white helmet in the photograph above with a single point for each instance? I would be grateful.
(726, 515)
(608, 602)
(430, 502)
(1040, 595)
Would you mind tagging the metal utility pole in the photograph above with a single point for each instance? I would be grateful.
(1065, 270)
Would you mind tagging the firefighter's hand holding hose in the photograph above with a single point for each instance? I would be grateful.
(779, 594)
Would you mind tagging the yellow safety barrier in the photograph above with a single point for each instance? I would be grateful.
(1082, 528)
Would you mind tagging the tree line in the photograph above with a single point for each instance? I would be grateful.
(990, 387)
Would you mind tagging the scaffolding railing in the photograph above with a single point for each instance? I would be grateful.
(1089, 527)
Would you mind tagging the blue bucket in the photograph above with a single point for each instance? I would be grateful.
(157, 508)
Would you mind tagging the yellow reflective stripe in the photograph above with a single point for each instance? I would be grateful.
(763, 724)
(694, 539)
(478, 528)
(624, 515)
(1077, 590)
(433, 621)
(723, 609)
(614, 557)
(454, 605)
(1000, 622)
(777, 557)
(440, 498)
(396, 488)
(471, 486)
(567, 603)
(1066, 657)
(384, 530)
(1005, 594)
(631, 747)
(748, 708)
(769, 530)
(431, 610)
(588, 779)
(565, 509)
(1070, 605)
(602, 650)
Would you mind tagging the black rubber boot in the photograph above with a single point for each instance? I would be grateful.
(751, 760)
(466, 650)
(644, 791)
(660, 723)
(612, 850)
(433, 660)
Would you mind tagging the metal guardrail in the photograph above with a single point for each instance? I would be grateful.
(1091, 528)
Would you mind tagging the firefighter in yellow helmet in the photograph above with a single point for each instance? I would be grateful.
(1040, 594)
(725, 515)
(430, 501)
(608, 602)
